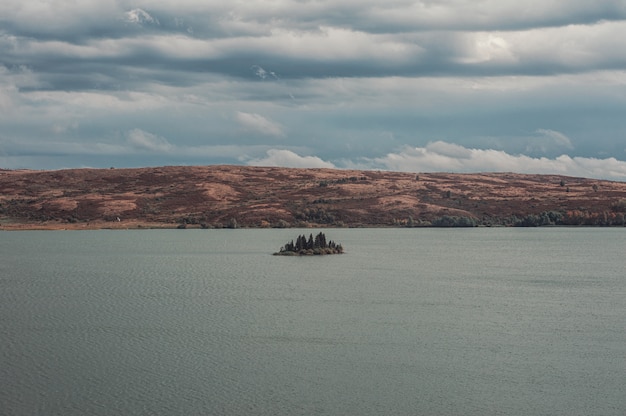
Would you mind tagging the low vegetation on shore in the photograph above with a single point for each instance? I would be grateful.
(310, 247)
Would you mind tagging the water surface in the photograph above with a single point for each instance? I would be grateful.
(408, 321)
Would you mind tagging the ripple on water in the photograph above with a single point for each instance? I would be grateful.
(408, 321)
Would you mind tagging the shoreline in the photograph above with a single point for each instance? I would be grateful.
(140, 225)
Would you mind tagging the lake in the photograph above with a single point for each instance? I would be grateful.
(478, 321)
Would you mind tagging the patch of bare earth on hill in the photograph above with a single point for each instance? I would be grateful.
(219, 191)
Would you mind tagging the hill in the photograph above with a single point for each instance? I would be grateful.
(239, 196)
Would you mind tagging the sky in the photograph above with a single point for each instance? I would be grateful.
(537, 86)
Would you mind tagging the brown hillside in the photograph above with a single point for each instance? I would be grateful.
(221, 196)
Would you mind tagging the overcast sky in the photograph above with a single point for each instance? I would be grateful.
(535, 86)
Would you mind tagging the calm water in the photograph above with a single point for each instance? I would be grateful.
(407, 322)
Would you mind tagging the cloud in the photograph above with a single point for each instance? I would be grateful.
(449, 150)
(491, 14)
(447, 157)
(135, 142)
(331, 47)
(258, 124)
(549, 140)
(144, 141)
(64, 128)
(287, 158)
(262, 73)
(188, 79)
(140, 17)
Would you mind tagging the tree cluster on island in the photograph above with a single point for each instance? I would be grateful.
(312, 246)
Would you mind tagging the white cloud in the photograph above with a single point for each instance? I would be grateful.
(262, 73)
(289, 159)
(11, 82)
(556, 136)
(449, 150)
(140, 16)
(543, 142)
(142, 140)
(488, 47)
(447, 157)
(258, 124)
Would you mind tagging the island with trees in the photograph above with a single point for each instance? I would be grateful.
(309, 247)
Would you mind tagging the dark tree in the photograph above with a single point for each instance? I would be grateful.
(317, 245)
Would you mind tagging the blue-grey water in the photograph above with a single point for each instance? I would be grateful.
(407, 322)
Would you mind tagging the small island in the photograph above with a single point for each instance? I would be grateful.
(310, 247)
